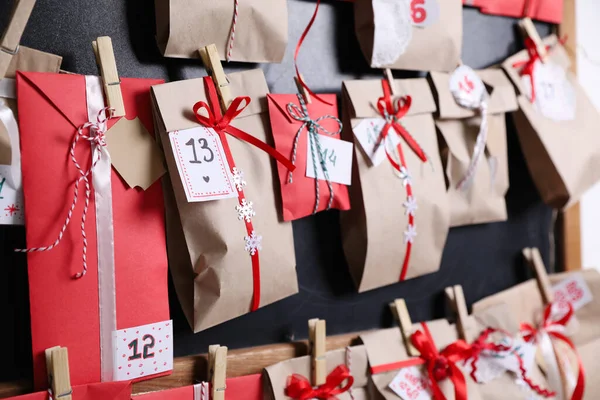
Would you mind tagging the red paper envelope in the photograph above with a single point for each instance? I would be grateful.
(542, 10)
(242, 388)
(95, 391)
(65, 311)
(299, 197)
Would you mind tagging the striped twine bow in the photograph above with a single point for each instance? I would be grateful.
(313, 127)
(232, 33)
(96, 137)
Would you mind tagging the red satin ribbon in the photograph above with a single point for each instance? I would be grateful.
(299, 388)
(440, 365)
(530, 332)
(221, 125)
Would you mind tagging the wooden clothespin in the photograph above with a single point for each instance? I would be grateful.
(529, 31)
(9, 42)
(456, 298)
(57, 368)
(212, 62)
(401, 314)
(105, 57)
(302, 90)
(390, 78)
(317, 347)
(217, 364)
(534, 259)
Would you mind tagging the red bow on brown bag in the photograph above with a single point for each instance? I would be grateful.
(299, 388)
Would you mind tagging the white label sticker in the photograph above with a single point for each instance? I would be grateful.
(412, 383)
(424, 12)
(466, 87)
(202, 164)
(555, 96)
(572, 290)
(11, 200)
(143, 350)
(337, 156)
(367, 132)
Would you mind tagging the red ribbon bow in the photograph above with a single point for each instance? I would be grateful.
(553, 328)
(299, 388)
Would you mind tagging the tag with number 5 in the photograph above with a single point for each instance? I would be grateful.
(424, 12)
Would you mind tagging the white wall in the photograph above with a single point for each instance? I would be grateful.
(588, 70)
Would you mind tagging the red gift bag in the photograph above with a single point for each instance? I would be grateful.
(132, 291)
(241, 388)
(95, 391)
(542, 10)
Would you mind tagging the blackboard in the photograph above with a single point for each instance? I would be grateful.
(483, 258)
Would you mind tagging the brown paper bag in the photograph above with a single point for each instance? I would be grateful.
(261, 30)
(562, 157)
(436, 47)
(386, 346)
(355, 358)
(484, 200)
(373, 230)
(211, 269)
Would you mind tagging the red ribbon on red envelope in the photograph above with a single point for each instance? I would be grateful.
(222, 125)
(299, 388)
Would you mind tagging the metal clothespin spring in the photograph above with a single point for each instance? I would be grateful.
(9, 51)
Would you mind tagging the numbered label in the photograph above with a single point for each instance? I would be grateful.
(336, 154)
(572, 290)
(424, 12)
(11, 200)
(555, 96)
(143, 350)
(466, 87)
(412, 384)
(202, 164)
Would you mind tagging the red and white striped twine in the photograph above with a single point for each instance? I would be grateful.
(96, 138)
(232, 33)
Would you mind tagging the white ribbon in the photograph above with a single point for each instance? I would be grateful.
(7, 118)
(546, 347)
(101, 178)
(201, 391)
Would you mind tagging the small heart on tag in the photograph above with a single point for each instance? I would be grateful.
(165, 364)
(160, 341)
(137, 332)
(156, 369)
(154, 362)
(142, 373)
(167, 336)
(123, 355)
(129, 365)
(206, 178)
(141, 365)
(120, 367)
(160, 351)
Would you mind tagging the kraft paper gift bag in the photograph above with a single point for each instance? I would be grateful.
(473, 142)
(255, 32)
(241, 388)
(399, 217)
(557, 125)
(94, 391)
(11, 191)
(414, 35)
(230, 255)
(352, 361)
(309, 144)
(107, 269)
(393, 371)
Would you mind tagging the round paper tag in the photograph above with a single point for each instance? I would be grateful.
(425, 12)
(554, 95)
(467, 88)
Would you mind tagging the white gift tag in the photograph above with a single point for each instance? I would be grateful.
(337, 155)
(425, 12)
(573, 290)
(412, 383)
(367, 132)
(11, 200)
(202, 165)
(555, 96)
(143, 350)
(466, 87)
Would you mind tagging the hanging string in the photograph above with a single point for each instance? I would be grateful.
(232, 33)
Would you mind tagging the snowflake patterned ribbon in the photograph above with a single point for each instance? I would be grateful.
(245, 210)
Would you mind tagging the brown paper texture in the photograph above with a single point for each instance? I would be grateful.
(387, 346)
(484, 201)
(29, 60)
(261, 33)
(563, 157)
(433, 48)
(277, 374)
(373, 230)
(211, 270)
(134, 153)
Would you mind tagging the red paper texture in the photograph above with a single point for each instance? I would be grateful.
(96, 391)
(542, 10)
(299, 196)
(64, 311)
(242, 388)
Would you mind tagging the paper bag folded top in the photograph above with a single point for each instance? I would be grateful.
(378, 232)
(212, 269)
(241, 388)
(94, 391)
(483, 200)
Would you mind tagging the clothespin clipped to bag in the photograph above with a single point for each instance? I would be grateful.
(390, 78)
(456, 299)
(400, 312)
(317, 347)
(217, 365)
(529, 31)
(105, 57)
(57, 369)
(302, 90)
(534, 259)
(9, 42)
(212, 62)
